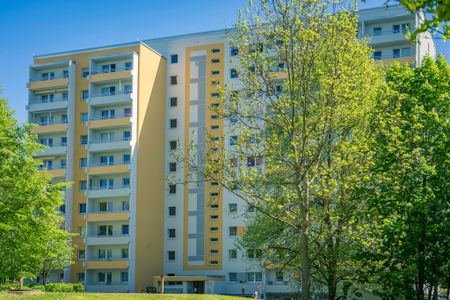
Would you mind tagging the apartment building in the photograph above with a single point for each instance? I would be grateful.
(112, 117)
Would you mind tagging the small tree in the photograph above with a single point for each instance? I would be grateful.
(30, 231)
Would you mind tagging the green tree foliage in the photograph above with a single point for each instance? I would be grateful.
(410, 186)
(300, 112)
(30, 233)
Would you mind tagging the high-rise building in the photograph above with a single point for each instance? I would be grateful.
(113, 116)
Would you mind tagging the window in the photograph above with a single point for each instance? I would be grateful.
(84, 117)
(214, 194)
(125, 205)
(232, 207)
(123, 276)
(233, 162)
(214, 139)
(250, 208)
(214, 117)
(173, 145)
(82, 184)
(254, 276)
(215, 127)
(213, 252)
(126, 159)
(172, 188)
(82, 231)
(173, 101)
(171, 232)
(174, 58)
(377, 55)
(214, 229)
(172, 211)
(127, 89)
(215, 60)
(126, 135)
(102, 253)
(254, 253)
(125, 182)
(103, 206)
(258, 47)
(63, 163)
(234, 73)
(214, 105)
(80, 277)
(173, 80)
(232, 253)
(279, 276)
(232, 231)
(214, 217)
(213, 262)
(172, 167)
(82, 208)
(171, 255)
(125, 229)
(65, 73)
(64, 141)
(127, 112)
(215, 82)
(214, 240)
(215, 50)
(108, 91)
(213, 206)
(84, 95)
(377, 31)
(396, 28)
(396, 53)
(47, 98)
(81, 254)
(101, 277)
(85, 72)
(173, 123)
(233, 140)
(48, 76)
(64, 119)
(124, 253)
(234, 51)
(83, 139)
(215, 72)
(108, 68)
(103, 230)
(406, 52)
(214, 183)
(232, 277)
(65, 95)
(128, 65)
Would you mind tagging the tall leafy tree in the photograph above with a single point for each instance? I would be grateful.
(299, 119)
(410, 205)
(29, 221)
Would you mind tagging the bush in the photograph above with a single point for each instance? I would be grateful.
(64, 287)
(39, 287)
(9, 286)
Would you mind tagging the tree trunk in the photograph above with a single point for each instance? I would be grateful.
(305, 259)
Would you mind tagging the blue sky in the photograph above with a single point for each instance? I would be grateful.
(29, 27)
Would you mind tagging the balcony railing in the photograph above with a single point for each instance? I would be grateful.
(53, 145)
(104, 164)
(95, 259)
(106, 235)
(109, 93)
(49, 122)
(109, 117)
(56, 99)
(55, 167)
(108, 140)
(117, 69)
(56, 76)
(108, 211)
(391, 56)
(108, 187)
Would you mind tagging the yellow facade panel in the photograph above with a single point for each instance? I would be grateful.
(48, 84)
(112, 264)
(110, 76)
(57, 172)
(109, 123)
(113, 216)
(49, 129)
(109, 169)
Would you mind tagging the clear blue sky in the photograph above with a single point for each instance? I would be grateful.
(29, 27)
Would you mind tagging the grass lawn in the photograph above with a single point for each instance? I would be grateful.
(104, 296)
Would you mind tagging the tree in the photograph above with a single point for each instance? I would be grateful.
(410, 192)
(30, 231)
(300, 119)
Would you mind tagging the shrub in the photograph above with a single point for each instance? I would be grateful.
(64, 287)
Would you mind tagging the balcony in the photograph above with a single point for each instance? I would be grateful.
(54, 104)
(99, 75)
(49, 127)
(99, 99)
(385, 38)
(92, 240)
(98, 168)
(114, 263)
(55, 81)
(53, 150)
(56, 171)
(99, 145)
(119, 120)
(105, 192)
(387, 60)
(111, 215)
(278, 287)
